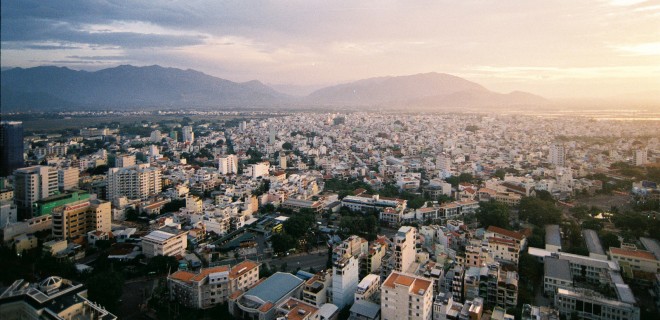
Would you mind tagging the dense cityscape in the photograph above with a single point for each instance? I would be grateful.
(352, 215)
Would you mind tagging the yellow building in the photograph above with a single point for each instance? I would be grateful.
(78, 218)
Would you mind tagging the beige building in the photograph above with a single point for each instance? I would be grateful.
(211, 286)
(318, 289)
(635, 260)
(406, 296)
(134, 182)
(67, 178)
(78, 218)
(165, 242)
(404, 248)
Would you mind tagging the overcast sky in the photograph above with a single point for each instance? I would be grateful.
(558, 49)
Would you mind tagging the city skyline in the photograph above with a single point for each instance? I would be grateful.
(585, 49)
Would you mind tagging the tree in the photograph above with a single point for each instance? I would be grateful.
(299, 224)
(493, 213)
(106, 289)
(282, 242)
(287, 146)
(162, 264)
(538, 212)
(609, 240)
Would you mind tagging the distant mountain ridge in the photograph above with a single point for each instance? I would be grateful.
(125, 86)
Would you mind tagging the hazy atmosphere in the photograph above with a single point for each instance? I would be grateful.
(556, 49)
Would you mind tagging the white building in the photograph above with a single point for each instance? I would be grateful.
(588, 304)
(164, 243)
(32, 184)
(369, 285)
(405, 296)
(258, 170)
(188, 134)
(8, 213)
(640, 157)
(135, 182)
(345, 277)
(228, 164)
(557, 155)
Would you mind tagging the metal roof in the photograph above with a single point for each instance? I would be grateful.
(275, 287)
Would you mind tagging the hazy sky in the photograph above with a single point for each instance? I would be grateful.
(567, 48)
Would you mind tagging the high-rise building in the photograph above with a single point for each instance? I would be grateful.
(188, 134)
(228, 164)
(404, 248)
(155, 136)
(76, 219)
(283, 161)
(67, 179)
(345, 278)
(32, 184)
(640, 157)
(557, 155)
(11, 147)
(405, 296)
(134, 182)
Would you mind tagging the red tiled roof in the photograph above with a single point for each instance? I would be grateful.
(507, 233)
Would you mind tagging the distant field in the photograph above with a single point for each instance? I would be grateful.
(46, 124)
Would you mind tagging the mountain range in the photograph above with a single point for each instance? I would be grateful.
(129, 87)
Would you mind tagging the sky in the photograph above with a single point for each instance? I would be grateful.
(557, 49)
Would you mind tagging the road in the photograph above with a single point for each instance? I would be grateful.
(304, 261)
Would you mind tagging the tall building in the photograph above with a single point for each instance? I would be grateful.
(258, 170)
(135, 182)
(345, 278)
(443, 162)
(557, 155)
(188, 134)
(67, 179)
(11, 147)
(77, 219)
(283, 161)
(640, 157)
(405, 296)
(404, 248)
(32, 184)
(228, 164)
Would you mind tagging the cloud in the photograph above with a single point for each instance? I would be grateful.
(641, 49)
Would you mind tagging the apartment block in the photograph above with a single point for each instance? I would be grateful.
(32, 184)
(405, 296)
(67, 179)
(318, 289)
(588, 304)
(78, 218)
(134, 182)
(211, 286)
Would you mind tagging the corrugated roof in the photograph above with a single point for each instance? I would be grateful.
(275, 287)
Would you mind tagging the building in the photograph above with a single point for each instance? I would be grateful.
(258, 170)
(552, 238)
(165, 242)
(134, 182)
(366, 203)
(405, 296)
(364, 310)
(557, 155)
(354, 246)
(32, 184)
(405, 248)
(45, 206)
(261, 301)
(11, 147)
(283, 161)
(8, 213)
(345, 278)
(125, 161)
(588, 304)
(318, 289)
(591, 270)
(78, 218)
(187, 134)
(67, 179)
(505, 245)
(211, 286)
(594, 246)
(28, 226)
(640, 157)
(556, 274)
(228, 164)
(530, 312)
(634, 260)
(53, 298)
(367, 287)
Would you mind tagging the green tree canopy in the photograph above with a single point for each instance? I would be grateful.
(493, 213)
(538, 212)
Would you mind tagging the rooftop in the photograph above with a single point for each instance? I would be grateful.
(275, 287)
(593, 242)
(633, 253)
(552, 235)
(558, 269)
